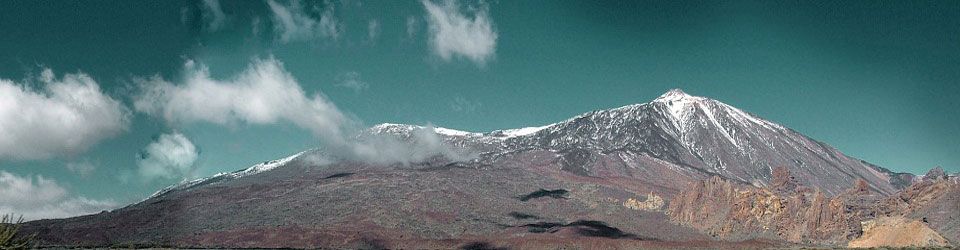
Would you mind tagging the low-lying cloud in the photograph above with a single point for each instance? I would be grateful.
(42, 198)
(170, 156)
(422, 144)
(452, 33)
(265, 93)
(65, 117)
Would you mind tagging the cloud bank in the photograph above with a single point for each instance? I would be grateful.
(42, 198)
(265, 93)
(453, 33)
(169, 156)
(294, 23)
(66, 117)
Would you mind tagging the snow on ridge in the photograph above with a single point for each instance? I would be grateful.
(388, 127)
(265, 166)
(255, 169)
(184, 184)
(522, 131)
(723, 130)
(747, 118)
(678, 106)
(452, 132)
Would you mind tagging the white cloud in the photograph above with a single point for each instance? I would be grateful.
(294, 23)
(66, 117)
(373, 30)
(264, 93)
(84, 168)
(213, 15)
(351, 80)
(169, 156)
(42, 198)
(453, 33)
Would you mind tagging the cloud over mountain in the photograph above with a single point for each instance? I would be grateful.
(263, 94)
(169, 156)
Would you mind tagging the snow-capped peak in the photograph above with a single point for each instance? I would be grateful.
(676, 95)
(678, 103)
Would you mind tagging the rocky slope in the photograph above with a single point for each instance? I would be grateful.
(925, 214)
(599, 180)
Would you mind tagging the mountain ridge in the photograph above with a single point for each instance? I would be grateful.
(601, 170)
(687, 128)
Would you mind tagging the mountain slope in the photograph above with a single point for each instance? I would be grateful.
(593, 180)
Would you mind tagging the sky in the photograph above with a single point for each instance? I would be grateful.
(103, 103)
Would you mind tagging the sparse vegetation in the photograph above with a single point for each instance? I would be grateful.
(8, 234)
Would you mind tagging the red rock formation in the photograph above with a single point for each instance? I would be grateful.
(737, 212)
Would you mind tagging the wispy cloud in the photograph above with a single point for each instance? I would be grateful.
(293, 22)
(452, 33)
(42, 198)
(411, 27)
(373, 30)
(169, 156)
(460, 104)
(66, 117)
(82, 168)
(351, 80)
(213, 16)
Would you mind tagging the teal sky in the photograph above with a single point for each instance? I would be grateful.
(875, 79)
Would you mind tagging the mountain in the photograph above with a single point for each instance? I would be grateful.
(684, 134)
(603, 179)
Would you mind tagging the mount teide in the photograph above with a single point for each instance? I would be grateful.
(600, 178)
(681, 134)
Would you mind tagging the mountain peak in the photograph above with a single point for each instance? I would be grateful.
(673, 95)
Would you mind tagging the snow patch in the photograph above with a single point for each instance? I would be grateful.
(255, 169)
(719, 127)
(678, 106)
(522, 131)
(266, 166)
(452, 132)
